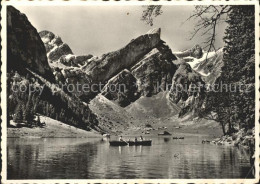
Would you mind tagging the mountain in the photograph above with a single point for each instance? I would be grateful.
(187, 90)
(28, 70)
(144, 66)
(207, 64)
(194, 52)
(24, 46)
(114, 118)
(143, 74)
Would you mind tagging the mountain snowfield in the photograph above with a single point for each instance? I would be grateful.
(208, 65)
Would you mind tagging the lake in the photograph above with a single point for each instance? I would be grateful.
(92, 158)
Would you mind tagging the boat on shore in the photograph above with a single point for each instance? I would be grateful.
(165, 133)
(131, 143)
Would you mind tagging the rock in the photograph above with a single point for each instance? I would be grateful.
(229, 139)
(188, 90)
(195, 51)
(28, 66)
(103, 68)
(25, 48)
(122, 88)
(211, 67)
(207, 64)
(75, 61)
(155, 70)
(55, 48)
(155, 31)
(56, 52)
(99, 70)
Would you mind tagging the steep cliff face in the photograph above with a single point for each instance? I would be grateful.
(210, 68)
(146, 60)
(122, 88)
(155, 70)
(28, 68)
(25, 48)
(195, 52)
(150, 74)
(102, 69)
(207, 64)
(67, 66)
(187, 90)
(54, 46)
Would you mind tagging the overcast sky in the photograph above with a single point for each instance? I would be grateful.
(98, 30)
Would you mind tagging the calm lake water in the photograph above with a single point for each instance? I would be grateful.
(71, 158)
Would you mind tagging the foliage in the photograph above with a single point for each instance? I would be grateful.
(206, 17)
(23, 105)
(28, 114)
(239, 65)
(18, 115)
(234, 103)
(150, 12)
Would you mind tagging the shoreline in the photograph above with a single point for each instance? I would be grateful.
(53, 129)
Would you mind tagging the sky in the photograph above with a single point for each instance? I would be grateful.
(97, 30)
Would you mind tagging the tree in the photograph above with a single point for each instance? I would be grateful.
(28, 115)
(207, 17)
(150, 12)
(18, 115)
(239, 64)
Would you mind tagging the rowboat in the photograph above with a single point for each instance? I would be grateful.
(178, 137)
(118, 143)
(131, 143)
(143, 143)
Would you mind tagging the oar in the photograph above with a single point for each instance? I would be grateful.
(126, 142)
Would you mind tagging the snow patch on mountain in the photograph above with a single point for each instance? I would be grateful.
(208, 63)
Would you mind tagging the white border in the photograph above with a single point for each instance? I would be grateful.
(120, 3)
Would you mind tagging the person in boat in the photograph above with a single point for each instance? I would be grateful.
(121, 139)
(135, 139)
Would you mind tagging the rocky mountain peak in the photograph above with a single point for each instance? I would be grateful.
(196, 52)
(54, 46)
(154, 31)
(25, 48)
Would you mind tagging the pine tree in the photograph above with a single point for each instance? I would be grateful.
(18, 116)
(28, 114)
(238, 67)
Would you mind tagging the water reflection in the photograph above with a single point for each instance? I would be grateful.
(93, 158)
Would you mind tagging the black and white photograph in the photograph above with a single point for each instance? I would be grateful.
(129, 91)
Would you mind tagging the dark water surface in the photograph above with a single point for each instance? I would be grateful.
(71, 158)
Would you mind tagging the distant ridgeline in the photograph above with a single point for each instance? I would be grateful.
(145, 66)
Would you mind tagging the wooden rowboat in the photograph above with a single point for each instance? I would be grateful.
(143, 143)
(178, 137)
(131, 143)
(118, 143)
